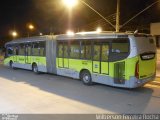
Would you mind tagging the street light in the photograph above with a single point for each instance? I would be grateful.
(72, 3)
(70, 33)
(117, 27)
(40, 34)
(30, 27)
(99, 30)
(14, 34)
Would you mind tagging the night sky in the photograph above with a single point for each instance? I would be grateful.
(51, 16)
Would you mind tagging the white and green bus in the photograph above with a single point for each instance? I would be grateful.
(117, 59)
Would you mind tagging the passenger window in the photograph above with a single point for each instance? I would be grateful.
(42, 48)
(65, 50)
(75, 49)
(21, 49)
(9, 51)
(29, 49)
(60, 49)
(82, 51)
(86, 50)
(96, 52)
(16, 50)
(105, 52)
(35, 49)
(119, 49)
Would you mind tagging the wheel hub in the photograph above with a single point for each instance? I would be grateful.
(86, 78)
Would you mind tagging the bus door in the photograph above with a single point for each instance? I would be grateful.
(65, 55)
(21, 53)
(28, 48)
(96, 57)
(100, 58)
(63, 61)
(104, 58)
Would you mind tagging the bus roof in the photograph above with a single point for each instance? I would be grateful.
(80, 35)
(90, 35)
(101, 35)
(31, 39)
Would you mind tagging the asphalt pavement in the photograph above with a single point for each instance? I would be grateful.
(22, 91)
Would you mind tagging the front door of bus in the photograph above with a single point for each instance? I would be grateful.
(100, 58)
(28, 53)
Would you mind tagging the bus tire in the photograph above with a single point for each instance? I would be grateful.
(35, 68)
(86, 78)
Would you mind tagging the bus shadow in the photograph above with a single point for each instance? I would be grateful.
(115, 100)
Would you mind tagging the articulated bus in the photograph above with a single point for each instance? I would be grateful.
(116, 59)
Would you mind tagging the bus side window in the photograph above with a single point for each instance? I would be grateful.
(86, 50)
(65, 49)
(17, 50)
(105, 52)
(28, 49)
(35, 49)
(21, 49)
(83, 50)
(120, 46)
(75, 49)
(60, 49)
(9, 51)
(14, 50)
(119, 49)
(42, 48)
(96, 51)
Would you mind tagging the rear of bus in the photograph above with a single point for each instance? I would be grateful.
(144, 48)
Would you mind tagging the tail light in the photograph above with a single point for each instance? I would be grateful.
(137, 70)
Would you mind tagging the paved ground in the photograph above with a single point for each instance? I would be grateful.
(22, 91)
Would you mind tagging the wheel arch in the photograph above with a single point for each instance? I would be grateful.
(34, 63)
(81, 71)
(11, 61)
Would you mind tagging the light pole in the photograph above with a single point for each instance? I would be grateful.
(118, 16)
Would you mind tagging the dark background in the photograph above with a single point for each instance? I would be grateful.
(51, 16)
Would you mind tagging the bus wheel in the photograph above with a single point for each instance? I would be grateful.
(86, 77)
(35, 69)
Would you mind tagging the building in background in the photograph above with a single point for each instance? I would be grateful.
(155, 30)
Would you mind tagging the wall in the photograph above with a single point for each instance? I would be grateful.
(155, 28)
